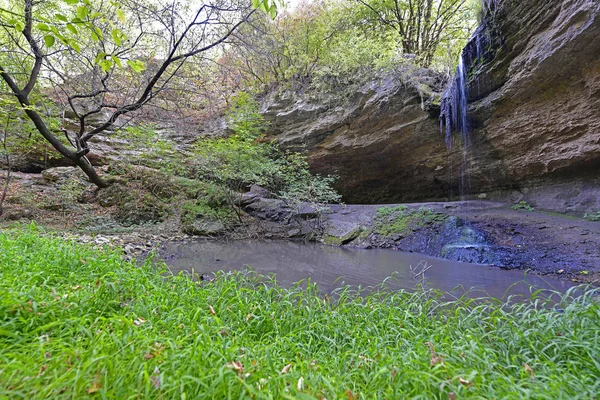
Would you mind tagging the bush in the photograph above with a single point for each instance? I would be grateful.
(245, 158)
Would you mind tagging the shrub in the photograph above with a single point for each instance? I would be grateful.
(245, 158)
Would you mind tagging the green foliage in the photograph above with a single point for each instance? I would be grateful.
(77, 322)
(592, 216)
(245, 158)
(210, 203)
(136, 208)
(76, 25)
(400, 219)
(523, 205)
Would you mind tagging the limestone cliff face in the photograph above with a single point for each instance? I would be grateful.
(380, 142)
(534, 109)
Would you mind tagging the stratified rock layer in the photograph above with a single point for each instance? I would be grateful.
(380, 142)
(534, 109)
(536, 105)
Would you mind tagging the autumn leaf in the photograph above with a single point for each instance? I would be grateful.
(435, 359)
(350, 395)
(464, 382)
(529, 370)
(286, 369)
(236, 366)
(155, 378)
(95, 386)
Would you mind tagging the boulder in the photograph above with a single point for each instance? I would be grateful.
(340, 232)
(61, 173)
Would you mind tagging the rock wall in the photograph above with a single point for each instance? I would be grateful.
(382, 142)
(534, 109)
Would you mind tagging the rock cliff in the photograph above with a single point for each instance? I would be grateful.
(534, 109)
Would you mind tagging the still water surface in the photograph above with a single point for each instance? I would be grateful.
(333, 267)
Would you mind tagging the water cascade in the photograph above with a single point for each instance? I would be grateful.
(454, 121)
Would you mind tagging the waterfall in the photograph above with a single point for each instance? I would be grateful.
(454, 120)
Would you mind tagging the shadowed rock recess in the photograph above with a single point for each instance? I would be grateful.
(534, 101)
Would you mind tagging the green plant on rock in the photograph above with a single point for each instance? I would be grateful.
(138, 208)
(246, 158)
(593, 216)
(523, 205)
(399, 220)
(152, 148)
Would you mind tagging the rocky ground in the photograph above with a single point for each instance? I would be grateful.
(484, 232)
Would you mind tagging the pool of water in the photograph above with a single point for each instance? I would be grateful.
(333, 267)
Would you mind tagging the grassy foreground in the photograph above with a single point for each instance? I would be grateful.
(77, 322)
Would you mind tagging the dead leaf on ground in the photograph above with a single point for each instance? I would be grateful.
(435, 359)
(451, 396)
(286, 369)
(211, 309)
(529, 370)
(236, 366)
(155, 378)
(248, 317)
(139, 321)
(350, 395)
(300, 385)
(95, 386)
(464, 382)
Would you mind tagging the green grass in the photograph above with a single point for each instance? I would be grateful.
(77, 322)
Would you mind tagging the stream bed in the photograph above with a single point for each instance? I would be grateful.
(333, 267)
